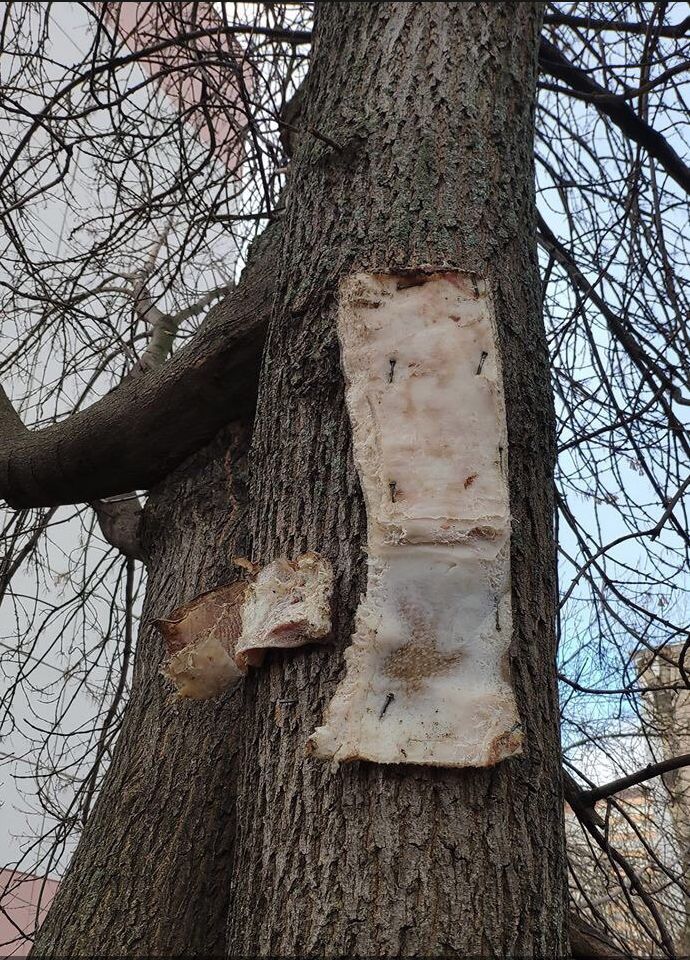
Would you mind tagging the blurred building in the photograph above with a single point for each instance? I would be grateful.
(648, 824)
(669, 721)
(25, 901)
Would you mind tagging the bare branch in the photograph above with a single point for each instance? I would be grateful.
(135, 435)
(673, 31)
(590, 797)
(645, 364)
(552, 61)
(591, 823)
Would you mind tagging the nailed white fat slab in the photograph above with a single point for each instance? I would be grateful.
(425, 404)
(427, 676)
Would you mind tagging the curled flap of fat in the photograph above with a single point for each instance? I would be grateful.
(287, 605)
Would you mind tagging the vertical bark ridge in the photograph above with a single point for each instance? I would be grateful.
(433, 105)
(150, 876)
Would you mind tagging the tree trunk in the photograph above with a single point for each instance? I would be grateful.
(150, 876)
(432, 107)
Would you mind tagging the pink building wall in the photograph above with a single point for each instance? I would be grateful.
(143, 25)
(20, 894)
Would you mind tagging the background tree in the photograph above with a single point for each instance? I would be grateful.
(375, 179)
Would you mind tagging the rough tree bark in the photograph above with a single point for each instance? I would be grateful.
(432, 107)
(150, 876)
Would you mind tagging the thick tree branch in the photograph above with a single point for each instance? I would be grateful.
(135, 435)
(589, 797)
(585, 813)
(588, 942)
(674, 31)
(554, 63)
(120, 518)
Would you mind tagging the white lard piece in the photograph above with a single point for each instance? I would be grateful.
(287, 605)
(427, 676)
(212, 640)
(200, 639)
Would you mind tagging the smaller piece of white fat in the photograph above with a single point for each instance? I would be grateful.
(427, 674)
(287, 605)
(200, 639)
(202, 670)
